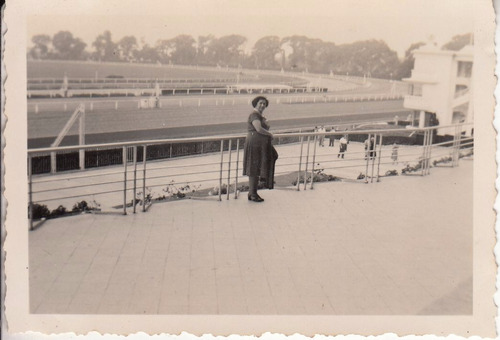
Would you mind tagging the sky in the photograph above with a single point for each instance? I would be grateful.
(399, 23)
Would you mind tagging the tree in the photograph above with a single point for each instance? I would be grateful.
(297, 58)
(313, 49)
(147, 54)
(459, 41)
(41, 48)
(265, 51)
(227, 50)
(67, 47)
(105, 48)
(372, 57)
(163, 50)
(326, 57)
(127, 47)
(183, 49)
(406, 66)
(202, 50)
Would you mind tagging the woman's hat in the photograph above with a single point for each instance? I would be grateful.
(256, 100)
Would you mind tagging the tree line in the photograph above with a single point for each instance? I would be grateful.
(372, 58)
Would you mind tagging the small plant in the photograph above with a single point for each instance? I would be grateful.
(391, 173)
(319, 176)
(59, 211)
(215, 190)
(39, 211)
(361, 176)
(243, 188)
(83, 206)
(80, 207)
(173, 191)
(442, 160)
(408, 169)
(170, 191)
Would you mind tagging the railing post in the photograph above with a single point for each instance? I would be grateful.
(457, 141)
(431, 140)
(307, 161)
(379, 158)
(144, 179)
(237, 168)
(229, 169)
(426, 157)
(53, 162)
(367, 156)
(313, 163)
(428, 152)
(135, 177)
(423, 161)
(30, 191)
(221, 166)
(453, 148)
(124, 180)
(373, 156)
(300, 162)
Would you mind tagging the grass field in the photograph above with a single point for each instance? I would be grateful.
(83, 69)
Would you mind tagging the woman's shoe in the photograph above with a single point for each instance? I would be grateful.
(255, 198)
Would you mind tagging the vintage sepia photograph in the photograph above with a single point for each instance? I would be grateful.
(179, 161)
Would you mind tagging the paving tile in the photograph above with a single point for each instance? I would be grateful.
(231, 304)
(261, 305)
(173, 309)
(87, 298)
(202, 305)
(143, 306)
(349, 254)
(230, 287)
(124, 288)
(82, 308)
(115, 308)
(200, 288)
(52, 308)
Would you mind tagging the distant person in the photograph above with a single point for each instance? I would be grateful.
(342, 147)
(259, 155)
(322, 137)
(332, 137)
(395, 153)
(367, 145)
(373, 153)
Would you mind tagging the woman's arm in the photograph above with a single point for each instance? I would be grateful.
(258, 127)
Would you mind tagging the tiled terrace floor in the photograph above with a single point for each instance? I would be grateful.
(401, 246)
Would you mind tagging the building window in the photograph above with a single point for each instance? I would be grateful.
(464, 69)
(460, 90)
(416, 90)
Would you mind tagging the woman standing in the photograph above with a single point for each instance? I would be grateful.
(259, 154)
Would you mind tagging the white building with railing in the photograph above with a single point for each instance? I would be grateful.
(441, 87)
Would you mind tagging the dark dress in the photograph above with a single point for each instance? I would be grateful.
(259, 156)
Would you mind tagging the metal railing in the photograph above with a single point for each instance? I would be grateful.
(300, 97)
(140, 180)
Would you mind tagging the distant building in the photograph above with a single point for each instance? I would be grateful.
(441, 88)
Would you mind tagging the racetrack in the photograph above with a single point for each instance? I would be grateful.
(176, 122)
(116, 119)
